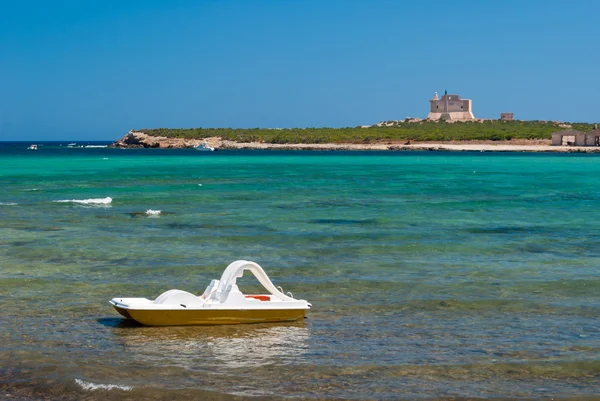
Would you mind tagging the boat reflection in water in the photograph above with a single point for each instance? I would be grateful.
(207, 347)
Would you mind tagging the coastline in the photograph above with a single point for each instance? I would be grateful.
(436, 147)
(142, 140)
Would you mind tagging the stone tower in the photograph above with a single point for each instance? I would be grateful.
(450, 108)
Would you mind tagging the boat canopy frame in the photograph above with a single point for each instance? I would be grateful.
(236, 270)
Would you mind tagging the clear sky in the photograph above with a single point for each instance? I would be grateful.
(91, 70)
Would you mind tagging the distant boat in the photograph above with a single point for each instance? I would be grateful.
(32, 147)
(205, 147)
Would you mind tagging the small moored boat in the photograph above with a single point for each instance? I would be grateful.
(221, 303)
(32, 147)
(205, 147)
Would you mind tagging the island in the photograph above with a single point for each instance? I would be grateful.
(480, 135)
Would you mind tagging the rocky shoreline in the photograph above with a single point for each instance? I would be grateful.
(142, 140)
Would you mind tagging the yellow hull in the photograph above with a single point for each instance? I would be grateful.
(210, 317)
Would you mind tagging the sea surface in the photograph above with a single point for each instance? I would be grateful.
(432, 275)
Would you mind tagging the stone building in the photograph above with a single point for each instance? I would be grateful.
(571, 137)
(592, 138)
(507, 117)
(450, 108)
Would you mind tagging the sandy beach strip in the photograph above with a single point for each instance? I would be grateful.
(450, 147)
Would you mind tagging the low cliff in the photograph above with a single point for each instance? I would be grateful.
(141, 140)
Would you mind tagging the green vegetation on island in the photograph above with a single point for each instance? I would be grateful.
(494, 130)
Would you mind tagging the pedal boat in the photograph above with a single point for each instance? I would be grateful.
(221, 303)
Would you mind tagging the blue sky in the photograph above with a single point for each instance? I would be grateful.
(91, 70)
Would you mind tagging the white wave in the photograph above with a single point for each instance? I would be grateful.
(151, 212)
(8, 203)
(199, 185)
(93, 201)
(32, 189)
(92, 386)
(95, 146)
(105, 158)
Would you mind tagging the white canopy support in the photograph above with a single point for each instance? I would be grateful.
(237, 268)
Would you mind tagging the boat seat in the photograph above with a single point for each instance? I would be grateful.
(260, 297)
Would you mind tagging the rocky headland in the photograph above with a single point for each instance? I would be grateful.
(135, 139)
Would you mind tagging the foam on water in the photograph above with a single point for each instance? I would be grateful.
(151, 212)
(88, 386)
(92, 201)
(8, 203)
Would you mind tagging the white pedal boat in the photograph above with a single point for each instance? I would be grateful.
(221, 303)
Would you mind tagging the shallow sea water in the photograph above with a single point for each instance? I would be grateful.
(432, 275)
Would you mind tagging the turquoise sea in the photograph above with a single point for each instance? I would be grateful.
(432, 275)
